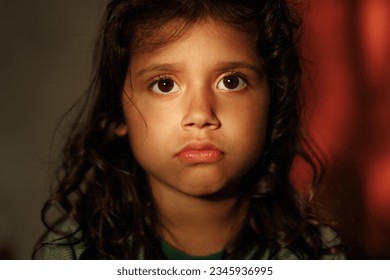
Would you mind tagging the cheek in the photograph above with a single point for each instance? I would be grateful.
(251, 128)
(147, 132)
(252, 138)
(137, 128)
(258, 129)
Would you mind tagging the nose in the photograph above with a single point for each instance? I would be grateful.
(201, 112)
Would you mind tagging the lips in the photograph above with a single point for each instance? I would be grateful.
(199, 153)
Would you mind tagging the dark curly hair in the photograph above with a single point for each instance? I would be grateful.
(101, 186)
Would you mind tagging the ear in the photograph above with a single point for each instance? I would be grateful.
(121, 129)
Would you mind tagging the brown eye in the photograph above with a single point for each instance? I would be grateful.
(164, 86)
(231, 83)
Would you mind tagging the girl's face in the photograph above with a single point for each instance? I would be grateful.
(196, 109)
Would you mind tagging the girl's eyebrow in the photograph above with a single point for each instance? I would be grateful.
(158, 67)
(231, 65)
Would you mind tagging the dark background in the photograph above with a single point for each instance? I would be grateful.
(45, 58)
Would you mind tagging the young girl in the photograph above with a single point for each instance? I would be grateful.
(186, 151)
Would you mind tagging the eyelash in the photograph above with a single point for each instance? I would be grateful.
(155, 81)
(238, 74)
(158, 79)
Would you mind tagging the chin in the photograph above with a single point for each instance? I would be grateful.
(208, 190)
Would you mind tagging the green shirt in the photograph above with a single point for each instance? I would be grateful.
(174, 254)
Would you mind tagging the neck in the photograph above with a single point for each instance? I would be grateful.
(197, 225)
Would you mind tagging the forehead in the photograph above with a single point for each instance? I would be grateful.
(149, 38)
(201, 43)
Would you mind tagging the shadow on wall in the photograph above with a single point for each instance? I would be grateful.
(348, 46)
(7, 252)
(45, 56)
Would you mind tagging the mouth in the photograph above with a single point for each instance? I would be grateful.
(196, 153)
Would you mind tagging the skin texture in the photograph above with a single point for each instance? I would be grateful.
(196, 115)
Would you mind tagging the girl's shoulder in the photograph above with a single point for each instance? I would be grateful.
(332, 243)
(331, 248)
(65, 243)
